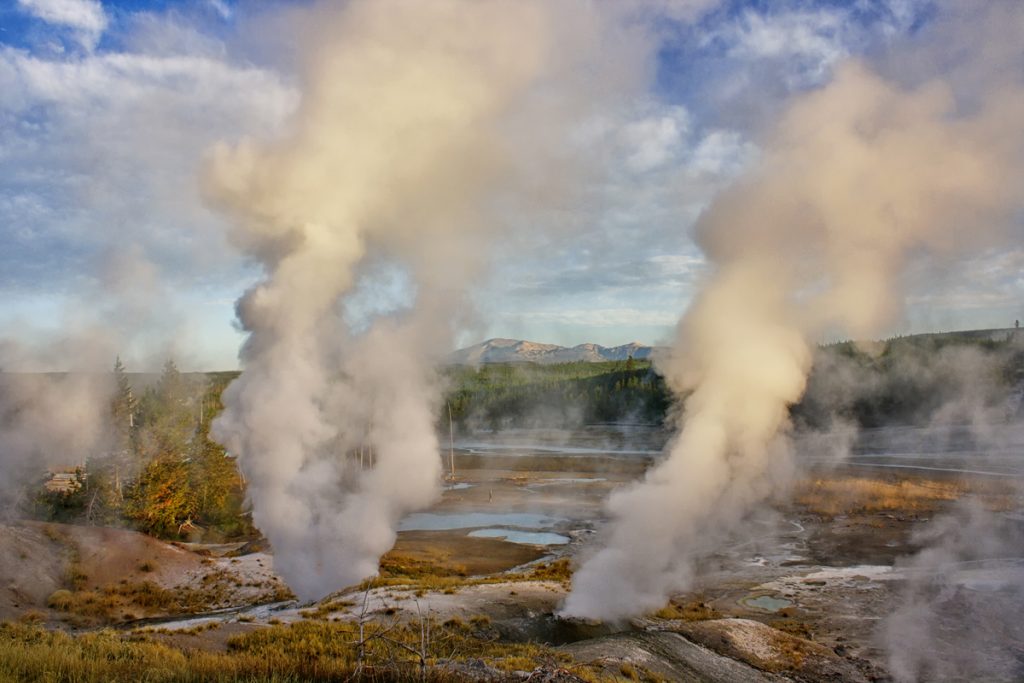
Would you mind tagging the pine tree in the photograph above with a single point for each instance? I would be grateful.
(215, 479)
(123, 409)
(162, 499)
(107, 473)
(168, 422)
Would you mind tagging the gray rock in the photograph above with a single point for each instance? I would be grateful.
(668, 654)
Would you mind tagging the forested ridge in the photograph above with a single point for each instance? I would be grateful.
(566, 394)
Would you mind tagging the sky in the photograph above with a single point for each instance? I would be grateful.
(108, 110)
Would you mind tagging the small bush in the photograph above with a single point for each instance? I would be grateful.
(32, 616)
(695, 610)
(61, 599)
(75, 577)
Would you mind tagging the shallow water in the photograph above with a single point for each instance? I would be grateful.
(438, 521)
(571, 481)
(522, 537)
(991, 450)
(767, 603)
(631, 441)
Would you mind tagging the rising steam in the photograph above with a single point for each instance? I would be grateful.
(417, 120)
(858, 181)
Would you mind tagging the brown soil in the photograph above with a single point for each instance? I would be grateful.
(91, 575)
(31, 567)
(208, 640)
(107, 556)
(864, 538)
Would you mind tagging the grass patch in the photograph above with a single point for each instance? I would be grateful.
(835, 496)
(794, 627)
(61, 599)
(694, 610)
(34, 655)
(122, 601)
(305, 651)
(404, 566)
(75, 577)
(32, 616)
(402, 642)
(558, 570)
(421, 575)
(51, 532)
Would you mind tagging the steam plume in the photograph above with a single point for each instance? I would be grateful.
(46, 420)
(55, 393)
(414, 116)
(858, 180)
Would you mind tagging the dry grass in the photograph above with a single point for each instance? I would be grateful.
(125, 601)
(557, 570)
(793, 652)
(305, 651)
(421, 575)
(694, 610)
(54, 534)
(32, 616)
(31, 654)
(113, 602)
(834, 496)
(401, 565)
(74, 576)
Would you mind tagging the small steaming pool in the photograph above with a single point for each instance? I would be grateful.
(440, 521)
(766, 603)
(521, 537)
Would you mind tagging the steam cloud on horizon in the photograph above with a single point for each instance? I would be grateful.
(859, 180)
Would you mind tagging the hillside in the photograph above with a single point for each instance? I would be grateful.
(502, 395)
(520, 351)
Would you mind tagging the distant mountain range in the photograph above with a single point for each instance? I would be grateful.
(519, 351)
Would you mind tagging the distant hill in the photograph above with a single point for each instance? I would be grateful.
(520, 351)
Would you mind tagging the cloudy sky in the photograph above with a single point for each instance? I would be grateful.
(108, 110)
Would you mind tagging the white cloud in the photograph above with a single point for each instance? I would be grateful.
(221, 8)
(678, 10)
(85, 17)
(601, 317)
(991, 282)
(678, 264)
(632, 266)
(721, 152)
(798, 44)
(814, 39)
(99, 155)
(656, 139)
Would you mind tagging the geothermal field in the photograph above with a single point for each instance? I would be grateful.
(750, 404)
(897, 560)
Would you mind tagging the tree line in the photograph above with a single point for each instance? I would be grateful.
(160, 473)
(496, 396)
